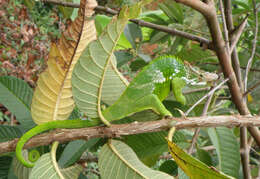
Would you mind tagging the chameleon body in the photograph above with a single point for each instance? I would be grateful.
(151, 86)
(146, 91)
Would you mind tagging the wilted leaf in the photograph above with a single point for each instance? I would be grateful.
(52, 99)
(193, 167)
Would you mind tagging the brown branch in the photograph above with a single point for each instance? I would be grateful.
(117, 130)
(168, 30)
(61, 3)
(252, 88)
(197, 131)
(251, 69)
(172, 31)
(212, 91)
(234, 54)
(225, 29)
(234, 36)
(210, 15)
(250, 61)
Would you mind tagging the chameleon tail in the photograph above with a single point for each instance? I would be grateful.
(177, 85)
(69, 124)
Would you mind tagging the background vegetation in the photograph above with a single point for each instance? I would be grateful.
(27, 29)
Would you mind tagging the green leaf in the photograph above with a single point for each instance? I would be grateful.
(16, 95)
(122, 58)
(137, 64)
(227, 149)
(170, 167)
(148, 147)
(5, 163)
(193, 167)
(9, 133)
(133, 34)
(74, 150)
(194, 53)
(204, 156)
(117, 160)
(101, 22)
(114, 84)
(44, 168)
(173, 11)
(19, 169)
(90, 78)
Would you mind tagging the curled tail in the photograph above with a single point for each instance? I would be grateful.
(68, 124)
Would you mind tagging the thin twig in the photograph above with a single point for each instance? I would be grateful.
(61, 3)
(196, 90)
(250, 61)
(233, 51)
(197, 131)
(168, 30)
(226, 38)
(205, 96)
(251, 69)
(252, 88)
(237, 33)
(117, 130)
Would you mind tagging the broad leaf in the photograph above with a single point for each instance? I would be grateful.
(114, 84)
(123, 57)
(204, 156)
(150, 146)
(19, 169)
(195, 53)
(97, 61)
(47, 167)
(9, 133)
(133, 34)
(173, 10)
(170, 167)
(227, 149)
(16, 96)
(52, 99)
(117, 160)
(5, 163)
(74, 150)
(193, 167)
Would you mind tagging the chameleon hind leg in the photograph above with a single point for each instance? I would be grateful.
(151, 102)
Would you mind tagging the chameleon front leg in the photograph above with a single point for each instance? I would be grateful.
(128, 107)
(177, 85)
(152, 102)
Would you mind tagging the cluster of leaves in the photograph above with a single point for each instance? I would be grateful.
(135, 48)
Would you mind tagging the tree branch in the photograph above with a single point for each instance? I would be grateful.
(234, 55)
(117, 130)
(224, 58)
(206, 42)
(250, 61)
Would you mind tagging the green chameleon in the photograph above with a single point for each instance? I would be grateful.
(146, 91)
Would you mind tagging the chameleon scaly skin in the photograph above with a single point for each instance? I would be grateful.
(146, 91)
(149, 88)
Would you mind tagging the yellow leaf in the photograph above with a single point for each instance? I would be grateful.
(194, 168)
(52, 99)
(249, 98)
